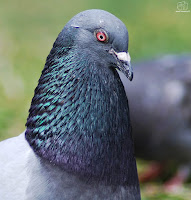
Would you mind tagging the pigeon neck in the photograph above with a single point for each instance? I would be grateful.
(79, 120)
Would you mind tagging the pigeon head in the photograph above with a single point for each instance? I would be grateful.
(103, 35)
(79, 115)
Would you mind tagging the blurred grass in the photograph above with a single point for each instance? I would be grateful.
(29, 28)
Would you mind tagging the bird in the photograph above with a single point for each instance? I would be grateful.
(160, 102)
(78, 142)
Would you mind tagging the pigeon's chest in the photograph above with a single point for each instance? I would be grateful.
(68, 190)
(47, 184)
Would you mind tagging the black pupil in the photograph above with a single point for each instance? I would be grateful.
(101, 37)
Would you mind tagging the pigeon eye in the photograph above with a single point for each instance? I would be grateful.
(101, 36)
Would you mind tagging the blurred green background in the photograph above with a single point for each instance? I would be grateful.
(29, 28)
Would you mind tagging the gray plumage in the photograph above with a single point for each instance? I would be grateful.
(78, 134)
(25, 176)
(160, 102)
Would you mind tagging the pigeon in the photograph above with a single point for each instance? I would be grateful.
(78, 142)
(160, 102)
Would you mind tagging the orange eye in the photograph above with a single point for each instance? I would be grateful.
(101, 36)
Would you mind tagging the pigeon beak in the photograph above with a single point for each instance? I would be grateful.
(123, 63)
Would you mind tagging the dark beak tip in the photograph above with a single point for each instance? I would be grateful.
(131, 77)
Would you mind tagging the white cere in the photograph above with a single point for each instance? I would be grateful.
(124, 56)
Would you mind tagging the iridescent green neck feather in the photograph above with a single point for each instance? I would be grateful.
(79, 117)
